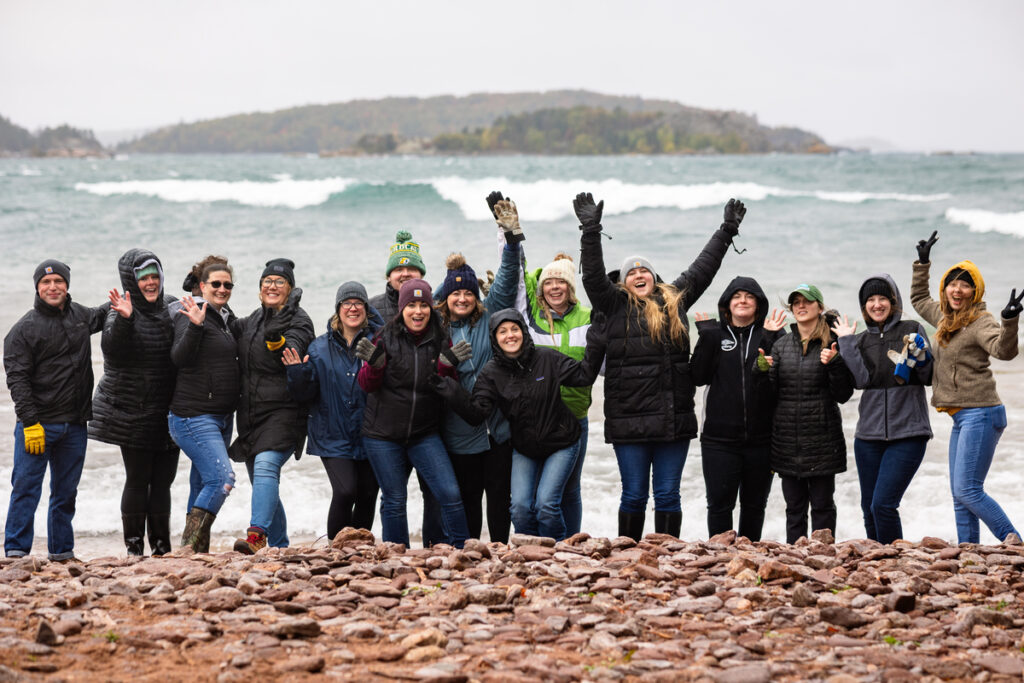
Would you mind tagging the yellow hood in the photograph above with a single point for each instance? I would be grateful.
(979, 284)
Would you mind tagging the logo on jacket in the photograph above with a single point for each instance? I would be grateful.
(539, 379)
(728, 344)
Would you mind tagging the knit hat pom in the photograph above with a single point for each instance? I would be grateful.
(562, 256)
(455, 260)
(403, 236)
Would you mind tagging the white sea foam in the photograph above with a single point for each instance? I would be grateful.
(284, 191)
(26, 171)
(979, 220)
(546, 199)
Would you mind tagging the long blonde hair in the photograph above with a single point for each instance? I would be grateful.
(660, 315)
(953, 321)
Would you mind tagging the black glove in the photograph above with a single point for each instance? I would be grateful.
(453, 355)
(492, 199)
(372, 353)
(924, 247)
(733, 216)
(280, 321)
(436, 384)
(507, 215)
(588, 212)
(1014, 307)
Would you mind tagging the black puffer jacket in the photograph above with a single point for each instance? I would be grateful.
(735, 411)
(807, 431)
(268, 418)
(648, 390)
(48, 361)
(134, 393)
(386, 303)
(527, 390)
(400, 406)
(207, 360)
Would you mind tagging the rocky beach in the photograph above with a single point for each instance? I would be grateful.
(724, 610)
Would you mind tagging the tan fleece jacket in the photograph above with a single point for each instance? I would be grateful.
(962, 378)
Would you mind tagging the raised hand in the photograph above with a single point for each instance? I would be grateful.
(281, 320)
(702, 316)
(291, 357)
(776, 320)
(1014, 307)
(507, 215)
(193, 311)
(457, 353)
(733, 216)
(372, 353)
(492, 199)
(924, 247)
(588, 213)
(828, 354)
(123, 305)
(842, 326)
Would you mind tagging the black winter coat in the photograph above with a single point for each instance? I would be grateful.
(402, 407)
(134, 394)
(648, 389)
(807, 431)
(48, 361)
(527, 390)
(386, 303)
(735, 410)
(268, 418)
(206, 357)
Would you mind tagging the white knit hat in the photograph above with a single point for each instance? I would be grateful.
(562, 268)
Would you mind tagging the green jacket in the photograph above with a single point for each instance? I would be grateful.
(569, 336)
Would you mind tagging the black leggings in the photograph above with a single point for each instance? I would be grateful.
(490, 472)
(149, 473)
(819, 493)
(354, 489)
(732, 469)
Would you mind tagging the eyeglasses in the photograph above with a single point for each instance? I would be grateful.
(217, 284)
(274, 284)
(352, 305)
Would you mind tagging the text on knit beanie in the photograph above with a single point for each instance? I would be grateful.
(405, 252)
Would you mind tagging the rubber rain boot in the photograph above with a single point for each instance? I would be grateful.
(631, 524)
(668, 523)
(159, 528)
(197, 529)
(134, 526)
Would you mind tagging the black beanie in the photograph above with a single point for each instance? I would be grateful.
(873, 286)
(280, 266)
(958, 274)
(52, 267)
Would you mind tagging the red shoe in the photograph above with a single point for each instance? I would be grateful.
(256, 540)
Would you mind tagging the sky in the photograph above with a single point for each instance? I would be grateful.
(921, 75)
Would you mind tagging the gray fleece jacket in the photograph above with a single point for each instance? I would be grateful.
(888, 410)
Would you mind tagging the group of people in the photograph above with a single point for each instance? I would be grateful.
(483, 388)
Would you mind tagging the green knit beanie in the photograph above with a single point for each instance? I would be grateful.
(405, 252)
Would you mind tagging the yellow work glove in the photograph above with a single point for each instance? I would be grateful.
(35, 439)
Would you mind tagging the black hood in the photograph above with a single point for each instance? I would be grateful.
(744, 284)
(131, 261)
(510, 315)
(897, 309)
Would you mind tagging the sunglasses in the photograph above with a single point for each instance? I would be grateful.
(217, 284)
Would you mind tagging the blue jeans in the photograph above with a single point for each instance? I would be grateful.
(661, 464)
(65, 455)
(885, 469)
(391, 463)
(537, 490)
(266, 510)
(572, 499)
(972, 444)
(204, 439)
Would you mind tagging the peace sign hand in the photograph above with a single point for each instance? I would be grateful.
(1014, 307)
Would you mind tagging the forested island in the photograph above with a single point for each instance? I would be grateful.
(575, 122)
(62, 141)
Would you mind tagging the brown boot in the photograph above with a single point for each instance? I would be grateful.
(256, 540)
(197, 529)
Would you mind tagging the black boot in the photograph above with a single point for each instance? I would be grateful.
(631, 524)
(668, 523)
(159, 528)
(134, 526)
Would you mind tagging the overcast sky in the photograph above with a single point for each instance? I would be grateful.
(929, 75)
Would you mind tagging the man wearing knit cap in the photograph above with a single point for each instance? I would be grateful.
(404, 263)
(48, 360)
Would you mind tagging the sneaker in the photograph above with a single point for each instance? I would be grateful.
(255, 541)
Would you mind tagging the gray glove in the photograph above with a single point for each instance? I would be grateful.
(507, 215)
(454, 355)
(372, 353)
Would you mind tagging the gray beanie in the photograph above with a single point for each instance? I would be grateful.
(350, 290)
(52, 267)
(634, 262)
